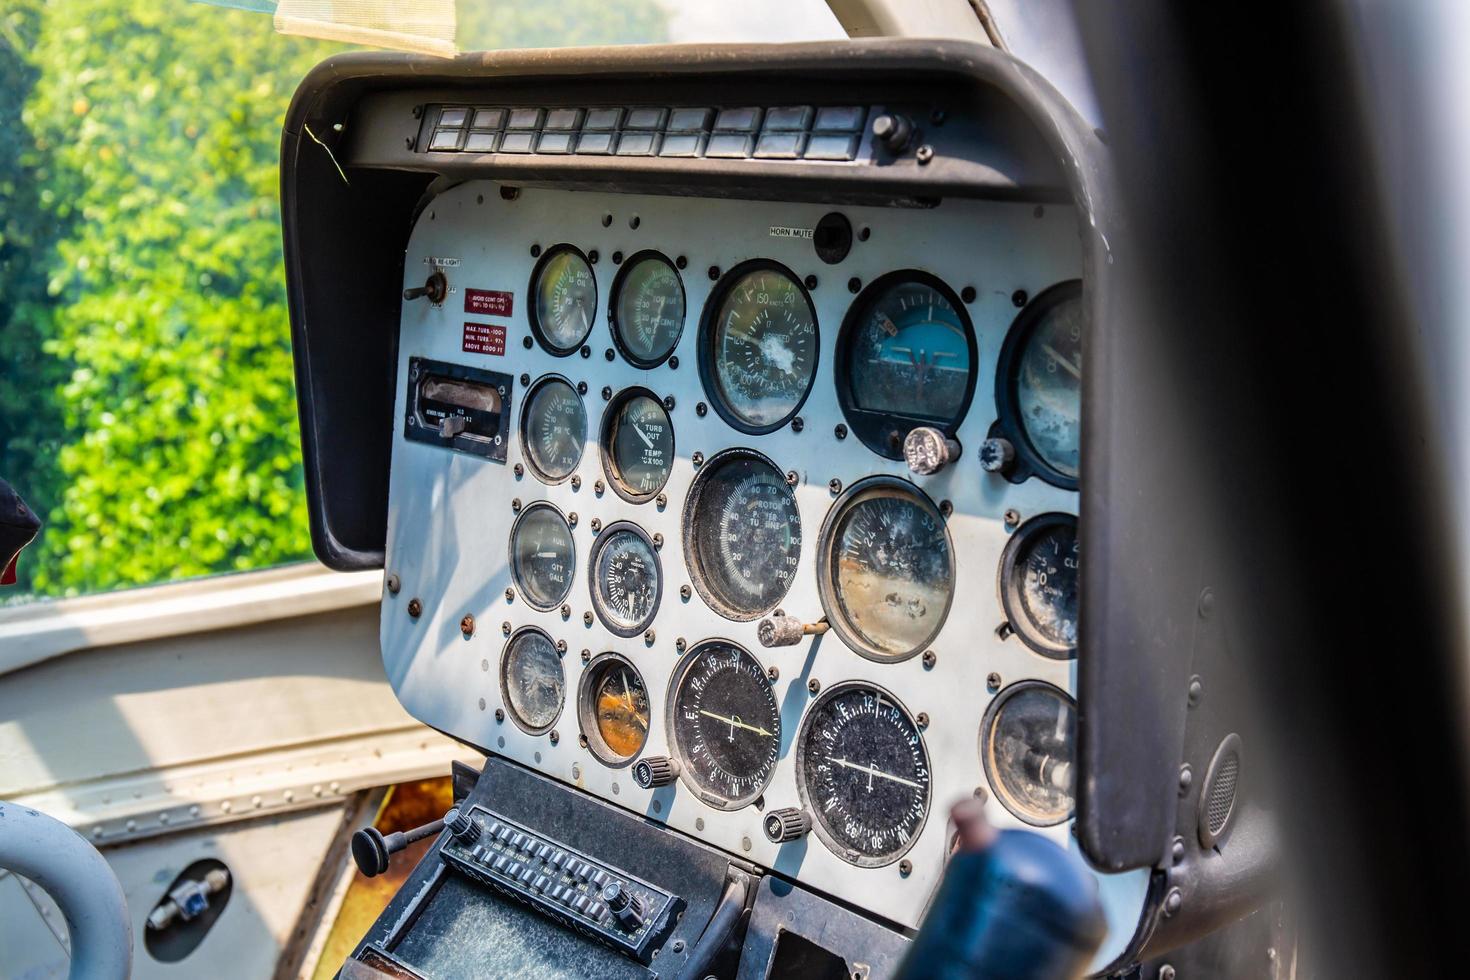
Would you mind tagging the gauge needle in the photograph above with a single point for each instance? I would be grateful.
(734, 723)
(627, 698)
(545, 554)
(874, 771)
(641, 435)
(1072, 369)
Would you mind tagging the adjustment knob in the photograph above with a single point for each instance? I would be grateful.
(893, 131)
(786, 824)
(927, 450)
(436, 287)
(371, 849)
(997, 455)
(626, 908)
(658, 770)
(787, 631)
(464, 829)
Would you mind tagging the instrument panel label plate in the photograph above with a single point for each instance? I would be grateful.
(484, 338)
(489, 302)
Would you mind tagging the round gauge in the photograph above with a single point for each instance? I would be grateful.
(887, 573)
(863, 774)
(637, 445)
(542, 555)
(532, 684)
(1039, 385)
(553, 428)
(612, 707)
(906, 356)
(647, 313)
(758, 348)
(1028, 743)
(627, 580)
(1038, 584)
(724, 723)
(742, 534)
(565, 300)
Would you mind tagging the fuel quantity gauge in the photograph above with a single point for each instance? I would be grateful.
(724, 723)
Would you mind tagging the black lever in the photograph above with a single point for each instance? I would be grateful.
(436, 287)
(371, 849)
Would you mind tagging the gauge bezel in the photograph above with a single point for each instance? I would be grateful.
(510, 548)
(819, 827)
(870, 426)
(604, 446)
(987, 722)
(593, 583)
(692, 562)
(707, 322)
(1010, 588)
(618, 283)
(827, 589)
(510, 710)
(676, 679)
(587, 713)
(526, 402)
(1028, 461)
(534, 317)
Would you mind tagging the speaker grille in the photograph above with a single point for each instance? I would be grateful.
(1217, 798)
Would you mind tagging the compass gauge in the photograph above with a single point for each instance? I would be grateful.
(725, 724)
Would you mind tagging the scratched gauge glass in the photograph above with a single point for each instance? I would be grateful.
(725, 724)
(542, 556)
(647, 309)
(627, 580)
(863, 773)
(762, 347)
(553, 429)
(612, 707)
(1028, 743)
(888, 569)
(531, 681)
(1040, 569)
(565, 305)
(742, 534)
(637, 445)
(1048, 385)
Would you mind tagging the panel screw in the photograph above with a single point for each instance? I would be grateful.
(680, 643)
(834, 485)
(617, 258)
(515, 505)
(668, 403)
(1196, 690)
(773, 673)
(520, 471)
(797, 424)
(992, 681)
(1018, 298)
(811, 282)
(697, 459)
(700, 409)
(649, 637)
(1166, 972)
(576, 481)
(967, 294)
(813, 685)
(946, 508)
(1173, 901)
(674, 362)
(525, 381)
(924, 154)
(554, 737)
(586, 351)
(535, 251)
(586, 656)
(840, 431)
(599, 488)
(581, 387)
(587, 618)
(864, 233)
(658, 540)
(791, 478)
(510, 595)
(677, 946)
(854, 284)
(607, 221)
(661, 501)
(415, 608)
(526, 342)
(596, 524)
(684, 592)
(1177, 849)
(922, 719)
(905, 868)
(1012, 517)
(606, 393)
(609, 354)
(505, 627)
(681, 262)
(572, 519)
(930, 659)
(1186, 778)
(566, 612)
(467, 626)
(1206, 603)
(592, 256)
(714, 272)
(500, 716)
(393, 584)
(582, 741)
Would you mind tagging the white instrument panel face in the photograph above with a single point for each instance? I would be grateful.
(451, 513)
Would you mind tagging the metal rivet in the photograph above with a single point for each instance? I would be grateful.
(582, 741)
(930, 659)
(607, 221)
(922, 719)
(668, 403)
(811, 282)
(992, 681)
(674, 363)
(649, 637)
(1196, 690)
(606, 393)
(609, 355)
(701, 409)
(482, 708)
(1018, 298)
(515, 505)
(499, 715)
(393, 584)
(595, 524)
(566, 611)
(714, 272)
(554, 737)
(864, 233)
(699, 823)
(697, 459)
(592, 256)
(840, 431)
(599, 488)
(1173, 901)
(854, 284)
(967, 294)
(526, 342)
(1166, 972)
(905, 867)
(1176, 850)
(792, 479)
(835, 486)
(586, 656)
(924, 154)
(572, 519)
(1206, 603)
(745, 843)
(661, 501)
(535, 251)
(576, 481)
(1012, 517)
(773, 672)
(525, 381)
(617, 258)
(681, 262)
(467, 625)
(634, 222)
(581, 387)
(505, 628)
(813, 685)
(415, 607)
(680, 644)
(946, 508)
(520, 471)
(587, 618)
(586, 351)
(684, 592)
(797, 424)
(658, 540)
(1186, 778)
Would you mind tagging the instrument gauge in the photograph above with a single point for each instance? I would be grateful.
(553, 429)
(758, 346)
(905, 356)
(1039, 386)
(627, 579)
(863, 774)
(565, 299)
(742, 534)
(542, 555)
(887, 569)
(637, 445)
(532, 684)
(612, 708)
(1028, 744)
(1039, 573)
(647, 311)
(724, 723)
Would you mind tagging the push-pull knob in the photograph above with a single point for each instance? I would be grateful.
(372, 849)
(997, 455)
(626, 908)
(436, 287)
(787, 631)
(927, 450)
(658, 770)
(464, 829)
(786, 824)
(893, 131)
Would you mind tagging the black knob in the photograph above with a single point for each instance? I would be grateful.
(997, 455)
(626, 908)
(372, 849)
(657, 770)
(893, 131)
(786, 824)
(464, 829)
(436, 287)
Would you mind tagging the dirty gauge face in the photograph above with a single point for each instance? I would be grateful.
(531, 681)
(542, 556)
(612, 707)
(1040, 569)
(565, 295)
(647, 309)
(1028, 746)
(637, 445)
(863, 774)
(627, 579)
(553, 429)
(725, 724)
(888, 575)
(760, 353)
(1039, 384)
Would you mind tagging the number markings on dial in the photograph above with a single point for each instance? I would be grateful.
(725, 724)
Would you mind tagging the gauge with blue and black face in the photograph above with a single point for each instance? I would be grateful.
(906, 358)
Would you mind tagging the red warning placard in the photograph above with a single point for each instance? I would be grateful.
(489, 302)
(484, 338)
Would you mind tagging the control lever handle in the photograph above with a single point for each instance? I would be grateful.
(371, 848)
(787, 631)
(436, 287)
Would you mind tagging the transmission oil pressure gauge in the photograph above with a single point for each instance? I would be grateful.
(863, 774)
(542, 556)
(1039, 571)
(742, 534)
(1028, 744)
(637, 445)
(627, 579)
(758, 346)
(532, 684)
(612, 708)
(887, 569)
(725, 724)
(647, 311)
(553, 429)
(565, 300)
(1039, 386)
